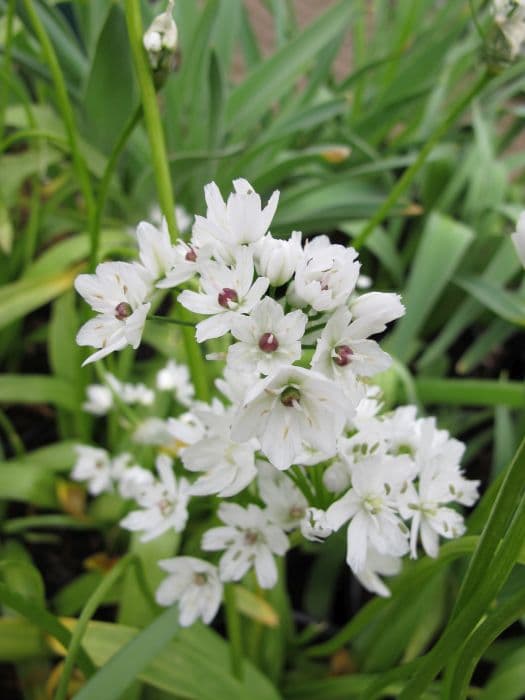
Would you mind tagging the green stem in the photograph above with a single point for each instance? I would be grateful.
(233, 624)
(176, 321)
(67, 114)
(87, 613)
(151, 116)
(12, 436)
(404, 182)
(155, 132)
(106, 180)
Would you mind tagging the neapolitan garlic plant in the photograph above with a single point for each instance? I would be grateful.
(299, 435)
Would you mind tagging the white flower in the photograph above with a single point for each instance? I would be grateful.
(373, 310)
(164, 504)
(326, 275)
(241, 220)
(314, 525)
(176, 378)
(377, 563)
(277, 259)
(518, 238)
(229, 466)
(152, 431)
(226, 293)
(268, 338)
(234, 384)
(292, 407)
(249, 540)
(342, 352)
(371, 506)
(117, 291)
(99, 400)
(285, 504)
(93, 465)
(134, 481)
(156, 252)
(430, 517)
(130, 393)
(195, 585)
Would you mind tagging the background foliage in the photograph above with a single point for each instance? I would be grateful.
(77, 173)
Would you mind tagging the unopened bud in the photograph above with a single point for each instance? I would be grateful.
(160, 41)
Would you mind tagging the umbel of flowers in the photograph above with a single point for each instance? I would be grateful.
(297, 427)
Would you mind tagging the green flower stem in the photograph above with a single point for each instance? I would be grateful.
(67, 115)
(106, 181)
(162, 175)
(87, 613)
(404, 182)
(233, 624)
(151, 116)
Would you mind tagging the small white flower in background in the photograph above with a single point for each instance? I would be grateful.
(371, 505)
(93, 465)
(250, 540)
(292, 407)
(194, 585)
(182, 217)
(118, 292)
(161, 36)
(152, 431)
(99, 399)
(285, 504)
(326, 275)
(130, 393)
(239, 221)
(377, 563)
(226, 293)
(343, 352)
(518, 238)
(314, 525)
(268, 339)
(277, 259)
(163, 504)
(175, 377)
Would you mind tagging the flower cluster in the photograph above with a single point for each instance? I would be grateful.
(300, 429)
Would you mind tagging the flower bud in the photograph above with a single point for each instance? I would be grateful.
(277, 259)
(160, 40)
(507, 40)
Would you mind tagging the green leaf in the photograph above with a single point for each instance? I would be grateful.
(470, 392)
(194, 666)
(270, 80)
(110, 94)
(26, 295)
(36, 388)
(443, 244)
(506, 305)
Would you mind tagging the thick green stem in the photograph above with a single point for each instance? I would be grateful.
(153, 124)
(404, 182)
(87, 613)
(233, 624)
(151, 116)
